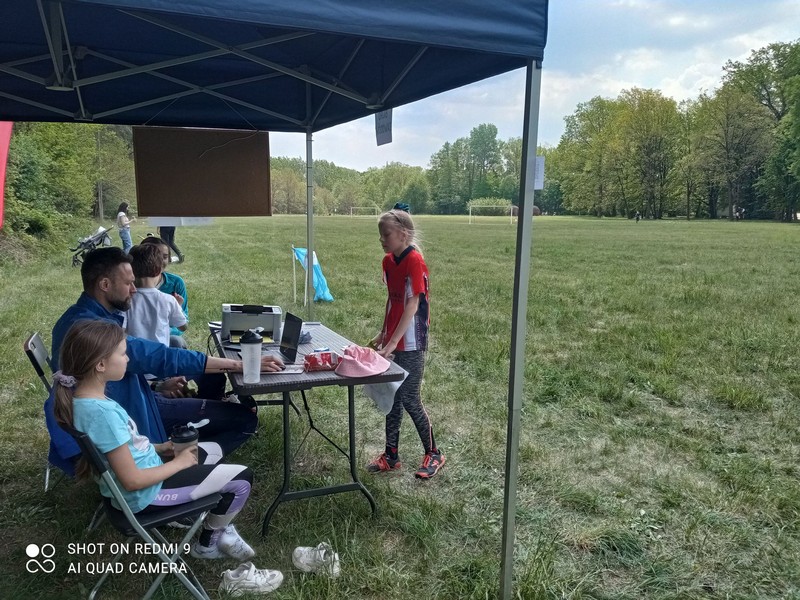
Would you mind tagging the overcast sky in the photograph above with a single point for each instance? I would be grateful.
(594, 48)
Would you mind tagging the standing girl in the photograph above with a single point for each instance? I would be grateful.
(124, 226)
(405, 335)
(94, 353)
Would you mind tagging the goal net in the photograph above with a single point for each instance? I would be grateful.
(490, 210)
(365, 211)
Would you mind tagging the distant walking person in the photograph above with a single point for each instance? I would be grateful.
(404, 337)
(168, 235)
(638, 216)
(124, 226)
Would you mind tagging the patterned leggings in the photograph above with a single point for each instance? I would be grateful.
(408, 398)
(233, 482)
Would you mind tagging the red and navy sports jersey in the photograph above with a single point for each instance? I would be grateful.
(406, 276)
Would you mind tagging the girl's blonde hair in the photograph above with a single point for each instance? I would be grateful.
(400, 219)
(87, 343)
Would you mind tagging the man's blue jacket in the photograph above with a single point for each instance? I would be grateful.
(132, 392)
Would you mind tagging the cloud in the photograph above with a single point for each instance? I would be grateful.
(595, 48)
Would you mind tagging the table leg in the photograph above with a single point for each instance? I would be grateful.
(287, 462)
(351, 412)
(286, 495)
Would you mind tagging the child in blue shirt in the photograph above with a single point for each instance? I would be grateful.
(149, 475)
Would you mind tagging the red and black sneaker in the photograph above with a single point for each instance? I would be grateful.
(383, 463)
(431, 464)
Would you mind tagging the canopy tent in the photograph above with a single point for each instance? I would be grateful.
(277, 65)
(280, 65)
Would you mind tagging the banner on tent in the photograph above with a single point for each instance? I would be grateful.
(5, 142)
(383, 127)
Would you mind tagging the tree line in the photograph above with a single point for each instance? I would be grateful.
(59, 171)
(478, 166)
(736, 148)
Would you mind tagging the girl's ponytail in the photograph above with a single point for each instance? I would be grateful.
(63, 387)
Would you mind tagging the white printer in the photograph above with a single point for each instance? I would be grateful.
(238, 318)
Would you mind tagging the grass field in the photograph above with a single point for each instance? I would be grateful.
(660, 443)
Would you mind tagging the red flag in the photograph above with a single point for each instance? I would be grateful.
(5, 141)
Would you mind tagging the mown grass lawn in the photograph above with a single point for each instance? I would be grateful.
(660, 443)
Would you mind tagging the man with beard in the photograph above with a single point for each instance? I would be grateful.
(108, 284)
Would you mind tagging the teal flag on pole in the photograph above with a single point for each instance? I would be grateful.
(321, 291)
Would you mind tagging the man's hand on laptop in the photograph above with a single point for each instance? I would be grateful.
(271, 363)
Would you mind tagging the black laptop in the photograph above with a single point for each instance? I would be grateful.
(290, 337)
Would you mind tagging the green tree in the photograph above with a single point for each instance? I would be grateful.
(771, 76)
(550, 199)
(443, 178)
(347, 194)
(288, 191)
(587, 152)
(115, 180)
(765, 76)
(650, 125)
(687, 172)
(734, 141)
(416, 194)
(384, 187)
(779, 182)
(57, 170)
(511, 164)
(484, 160)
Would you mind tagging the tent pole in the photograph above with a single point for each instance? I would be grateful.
(309, 228)
(519, 320)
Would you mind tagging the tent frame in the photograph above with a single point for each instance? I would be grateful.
(66, 79)
(516, 371)
(516, 33)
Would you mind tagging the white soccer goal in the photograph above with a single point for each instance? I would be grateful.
(365, 211)
(477, 209)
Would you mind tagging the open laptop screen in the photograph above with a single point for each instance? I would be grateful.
(290, 337)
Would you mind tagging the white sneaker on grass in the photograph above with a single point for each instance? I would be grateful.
(232, 544)
(319, 559)
(246, 579)
(229, 545)
(206, 552)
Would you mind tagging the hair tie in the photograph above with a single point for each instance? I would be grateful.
(68, 381)
(402, 206)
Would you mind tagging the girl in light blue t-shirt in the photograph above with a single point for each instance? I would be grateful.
(94, 353)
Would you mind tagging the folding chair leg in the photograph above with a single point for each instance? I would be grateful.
(105, 575)
(97, 518)
(47, 486)
(196, 590)
(180, 560)
(194, 587)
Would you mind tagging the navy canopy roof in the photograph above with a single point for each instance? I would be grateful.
(278, 65)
